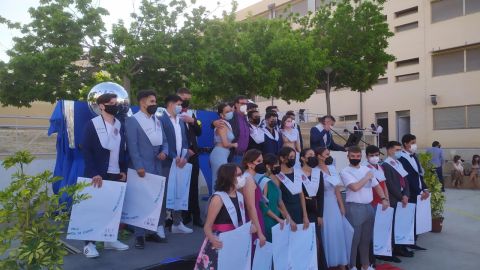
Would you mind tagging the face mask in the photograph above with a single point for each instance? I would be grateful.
(111, 109)
(312, 162)
(329, 161)
(354, 162)
(178, 109)
(241, 180)
(374, 160)
(398, 154)
(185, 103)
(413, 148)
(276, 170)
(229, 116)
(260, 168)
(290, 163)
(243, 108)
(151, 109)
(255, 121)
(289, 125)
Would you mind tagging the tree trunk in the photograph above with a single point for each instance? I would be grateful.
(327, 97)
(126, 84)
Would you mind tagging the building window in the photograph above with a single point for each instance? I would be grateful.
(456, 117)
(346, 118)
(448, 63)
(407, 77)
(447, 9)
(407, 62)
(406, 12)
(406, 27)
(473, 58)
(300, 8)
(382, 81)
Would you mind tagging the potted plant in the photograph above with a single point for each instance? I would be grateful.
(437, 199)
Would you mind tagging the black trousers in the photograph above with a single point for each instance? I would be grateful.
(193, 204)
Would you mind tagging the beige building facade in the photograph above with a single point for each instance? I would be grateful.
(432, 89)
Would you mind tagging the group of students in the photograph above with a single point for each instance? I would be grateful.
(145, 143)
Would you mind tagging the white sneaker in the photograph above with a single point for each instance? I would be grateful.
(90, 250)
(116, 245)
(180, 228)
(161, 231)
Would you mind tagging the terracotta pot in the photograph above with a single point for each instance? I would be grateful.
(437, 224)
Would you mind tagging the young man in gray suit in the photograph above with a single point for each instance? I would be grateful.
(148, 149)
(176, 137)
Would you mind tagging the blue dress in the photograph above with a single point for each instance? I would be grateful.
(333, 235)
(219, 154)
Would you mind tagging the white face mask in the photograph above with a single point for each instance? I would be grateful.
(243, 109)
(413, 148)
(241, 180)
(374, 160)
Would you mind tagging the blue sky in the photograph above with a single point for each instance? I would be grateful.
(17, 10)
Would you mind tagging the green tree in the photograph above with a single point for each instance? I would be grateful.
(355, 39)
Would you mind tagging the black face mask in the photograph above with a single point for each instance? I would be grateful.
(312, 162)
(111, 109)
(354, 162)
(276, 170)
(255, 121)
(260, 168)
(290, 163)
(329, 161)
(185, 103)
(151, 109)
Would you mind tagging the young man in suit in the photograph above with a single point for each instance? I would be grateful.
(194, 130)
(257, 135)
(176, 135)
(321, 135)
(273, 139)
(103, 149)
(240, 128)
(147, 148)
(398, 188)
(415, 171)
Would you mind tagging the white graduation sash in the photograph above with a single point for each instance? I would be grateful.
(332, 178)
(295, 186)
(154, 133)
(311, 185)
(320, 128)
(377, 173)
(411, 160)
(397, 166)
(269, 135)
(108, 141)
(232, 211)
(257, 134)
(291, 135)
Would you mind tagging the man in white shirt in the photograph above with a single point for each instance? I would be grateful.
(359, 180)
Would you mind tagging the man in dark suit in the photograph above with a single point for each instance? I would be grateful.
(257, 135)
(415, 171)
(321, 135)
(176, 135)
(398, 189)
(104, 151)
(194, 130)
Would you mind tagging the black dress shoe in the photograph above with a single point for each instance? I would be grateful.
(415, 247)
(394, 259)
(140, 242)
(198, 222)
(186, 219)
(155, 238)
(403, 253)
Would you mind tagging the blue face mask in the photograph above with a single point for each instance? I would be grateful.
(178, 109)
(398, 154)
(229, 116)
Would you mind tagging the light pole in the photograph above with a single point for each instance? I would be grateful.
(328, 70)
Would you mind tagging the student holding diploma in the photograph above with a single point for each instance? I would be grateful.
(103, 149)
(333, 234)
(398, 188)
(291, 187)
(359, 181)
(226, 211)
(313, 188)
(147, 148)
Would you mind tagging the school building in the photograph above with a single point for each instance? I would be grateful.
(432, 89)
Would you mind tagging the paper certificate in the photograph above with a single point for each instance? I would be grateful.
(280, 244)
(178, 187)
(382, 231)
(423, 215)
(404, 224)
(143, 200)
(97, 218)
(302, 248)
(262, 260)
(237, 249)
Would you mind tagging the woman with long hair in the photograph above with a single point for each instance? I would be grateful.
(290, 135)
